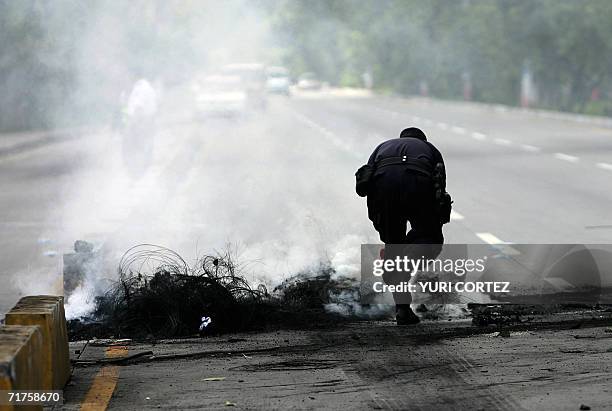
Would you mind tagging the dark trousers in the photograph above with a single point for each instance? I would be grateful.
(399, 196)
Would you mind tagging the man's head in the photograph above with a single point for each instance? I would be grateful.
(414, 133)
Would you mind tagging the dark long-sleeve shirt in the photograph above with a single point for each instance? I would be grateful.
(411, 148)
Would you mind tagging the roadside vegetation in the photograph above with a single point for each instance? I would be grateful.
(66, 63)
(566, 46)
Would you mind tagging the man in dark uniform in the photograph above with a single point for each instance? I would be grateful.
(405, 181)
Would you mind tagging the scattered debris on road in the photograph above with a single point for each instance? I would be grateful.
(158, 295)
(214, 379)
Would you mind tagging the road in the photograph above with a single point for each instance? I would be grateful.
(363, 365)
(278, 185)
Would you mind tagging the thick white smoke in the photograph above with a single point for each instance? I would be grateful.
(208, 183)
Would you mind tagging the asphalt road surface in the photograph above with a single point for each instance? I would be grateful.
(278, 185)
(363, 365)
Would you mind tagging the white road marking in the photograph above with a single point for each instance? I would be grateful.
(502, 141)
(455, 216)
(442, 125)
(566, 157)
(489, 238)
(559, 283)
(497, 243)
(458, 130)
(530, 148)
(479, 136)
(604, 166)
(332, 137)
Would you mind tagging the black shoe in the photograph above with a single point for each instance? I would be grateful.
(405, 316)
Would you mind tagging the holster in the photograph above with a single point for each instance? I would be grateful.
(363, 176)
(444, 201)
(445, 204)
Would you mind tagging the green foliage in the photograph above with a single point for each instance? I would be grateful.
(68, 61)
(567, 45)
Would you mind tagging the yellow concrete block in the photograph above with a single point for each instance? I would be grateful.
(47, 312)
(20, 360)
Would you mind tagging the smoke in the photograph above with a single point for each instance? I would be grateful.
(81, 302)
(191, 184)
(347, 304)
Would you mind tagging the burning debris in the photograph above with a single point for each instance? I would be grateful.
(159, 295)
(76, 264)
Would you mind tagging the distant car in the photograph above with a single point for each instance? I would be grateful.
(253, 76)
(308, 81)
(220, 95)
(278, 81)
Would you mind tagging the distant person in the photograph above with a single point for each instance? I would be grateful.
(142, 101)
(405, 181)
(140, 118)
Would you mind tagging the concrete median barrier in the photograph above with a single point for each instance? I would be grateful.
(47, 312)
(21, 360)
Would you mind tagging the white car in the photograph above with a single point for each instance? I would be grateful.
(308, 81)
(278, 80)
(220, 95)
(253, 77)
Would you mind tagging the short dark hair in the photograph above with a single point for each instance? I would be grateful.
(414, 133)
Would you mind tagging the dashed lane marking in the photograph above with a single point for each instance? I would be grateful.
(604, 166)
(455, 216)
(489, 238)
(530, 148)
(500, 245)
(560, 284)
(502, 141)
(329, 135)
(458, 130)
(566, 157)
(478, 136)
